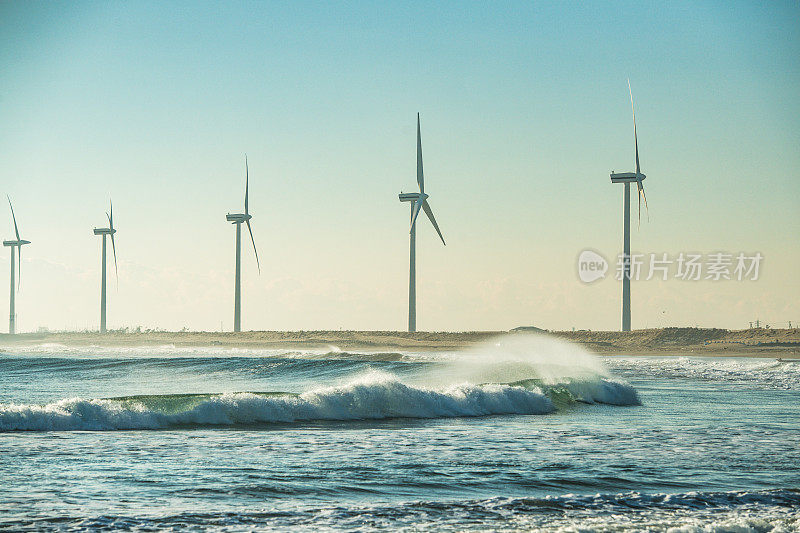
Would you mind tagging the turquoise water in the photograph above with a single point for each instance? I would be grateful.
(522, 433)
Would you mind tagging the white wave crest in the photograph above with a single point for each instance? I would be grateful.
(372, 397)
(552, 363)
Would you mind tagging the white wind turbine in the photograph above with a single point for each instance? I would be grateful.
(627, 178)
(238, 219)
(16, 246)
(418, 201)
(106, 232)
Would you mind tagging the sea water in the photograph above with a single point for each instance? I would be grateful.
(520, 433)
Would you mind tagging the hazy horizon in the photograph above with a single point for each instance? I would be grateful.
(524, 112)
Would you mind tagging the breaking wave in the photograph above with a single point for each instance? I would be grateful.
(520, 375)
(374, 397)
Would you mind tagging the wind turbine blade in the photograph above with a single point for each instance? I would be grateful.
(639, 189)
(250, 229)
(16, 229)
(111, 216)
(429, 212)
(116, 269)
(417, 208)
(635, 138)
(114, 248)
(420, 175)
(246, 187)
(644, 197)
(19, 266)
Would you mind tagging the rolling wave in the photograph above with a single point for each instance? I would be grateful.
(514, 375)
(200, 364)
(374, 396)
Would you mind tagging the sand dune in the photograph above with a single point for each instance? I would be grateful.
(666, 341)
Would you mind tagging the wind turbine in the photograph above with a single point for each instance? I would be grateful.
(627, 178)
(418, 201)
(19, 243)
(105, 232)
(238, 219)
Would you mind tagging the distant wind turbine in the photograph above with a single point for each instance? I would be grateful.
(627, 178)
(14, 245)
(104, 232)
(418, 201)
(238, 219)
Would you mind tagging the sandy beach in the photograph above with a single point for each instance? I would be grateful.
(768, 343)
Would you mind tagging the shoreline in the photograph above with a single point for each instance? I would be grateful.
(678, 342)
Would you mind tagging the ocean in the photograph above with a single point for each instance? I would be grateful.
(521, 433)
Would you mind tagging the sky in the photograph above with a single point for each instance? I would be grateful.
(524, 109)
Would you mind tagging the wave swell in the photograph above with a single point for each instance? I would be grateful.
(370, 398)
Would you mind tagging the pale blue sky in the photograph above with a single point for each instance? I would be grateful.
(524, 113)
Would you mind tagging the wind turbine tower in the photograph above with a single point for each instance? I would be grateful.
(16, 249)
(238, 219)
(627, 178)
(418, 201)
(105, 232)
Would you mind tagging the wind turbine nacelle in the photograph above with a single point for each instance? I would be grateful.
(104, 231)
(10, 243)
(237, 218)
(410, 196)
(627, 177)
